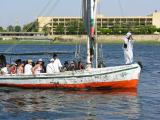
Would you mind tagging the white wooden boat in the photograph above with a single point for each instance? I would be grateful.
(125, 76)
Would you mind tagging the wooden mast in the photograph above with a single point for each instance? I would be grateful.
(89, 17)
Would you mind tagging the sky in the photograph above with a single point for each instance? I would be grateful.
(13, 12)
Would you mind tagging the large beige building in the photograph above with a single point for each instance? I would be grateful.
(102, 21)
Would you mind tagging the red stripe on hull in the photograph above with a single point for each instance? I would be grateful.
(112, 85)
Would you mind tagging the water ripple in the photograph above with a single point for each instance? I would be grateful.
(143, 104)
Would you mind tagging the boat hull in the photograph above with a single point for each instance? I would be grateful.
(106, 85)
(126, 76)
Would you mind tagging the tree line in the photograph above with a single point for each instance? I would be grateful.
(31, 27)
(77, 28)
(143, 29)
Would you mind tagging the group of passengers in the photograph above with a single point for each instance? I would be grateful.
(31, 68)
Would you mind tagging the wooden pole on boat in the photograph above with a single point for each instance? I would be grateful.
(96, 44)
(89, 15)
(88, 54)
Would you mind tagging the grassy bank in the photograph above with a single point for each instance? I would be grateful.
(72, 42)
(37, 42)
(24, 42)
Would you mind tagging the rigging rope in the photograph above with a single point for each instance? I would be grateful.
(53, 6)
(121, 8)
(41, 12)
(15, 41)
(44, 10)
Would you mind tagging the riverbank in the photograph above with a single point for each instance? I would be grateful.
(112, 39)
(75, 39)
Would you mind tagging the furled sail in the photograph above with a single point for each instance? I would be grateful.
(89, 18)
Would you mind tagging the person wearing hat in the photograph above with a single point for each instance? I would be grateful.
(37, 69)
(128, 48)
(28, 68)
(50, 67)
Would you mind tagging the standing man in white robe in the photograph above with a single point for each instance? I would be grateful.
(128, 48)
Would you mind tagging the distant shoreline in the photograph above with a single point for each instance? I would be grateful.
(76, 39)
(11, 42)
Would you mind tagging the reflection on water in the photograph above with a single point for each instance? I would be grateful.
(80, 105)
(71, 104)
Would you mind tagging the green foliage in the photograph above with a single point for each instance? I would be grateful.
(116, 29)
(147, 29)
(17, 28)
(158, 30)
(1, 29)
(46, 30)
(81, 29)
(105, 31)
(60, 29)
(31, 27)
(77, 27)
(72, 28)
(151, 29)
(10, 28)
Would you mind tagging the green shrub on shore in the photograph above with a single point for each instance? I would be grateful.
(24, 42)
(119, 30)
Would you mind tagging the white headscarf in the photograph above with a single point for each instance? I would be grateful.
(128, 34)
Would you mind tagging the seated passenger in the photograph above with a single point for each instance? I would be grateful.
(72, 66)
(0, 69)
(66, 66)
(2, 60)
(0, 72)
(20, 69)
(18, 62)
(75, 64)
(37, 69)
(57, 63)
(6, 70)
(28, 68)
(80, 65)
(13, 68)
(50, 67)
(43, 67)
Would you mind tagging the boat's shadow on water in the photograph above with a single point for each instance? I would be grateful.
(91, 104)
(109, 91)
(131, 92)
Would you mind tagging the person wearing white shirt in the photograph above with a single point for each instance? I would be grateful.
(28, 68)
(50, 67)
(6, 70)
(57, 64)
(128, 48)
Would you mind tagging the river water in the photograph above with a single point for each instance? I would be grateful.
(143, 104)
